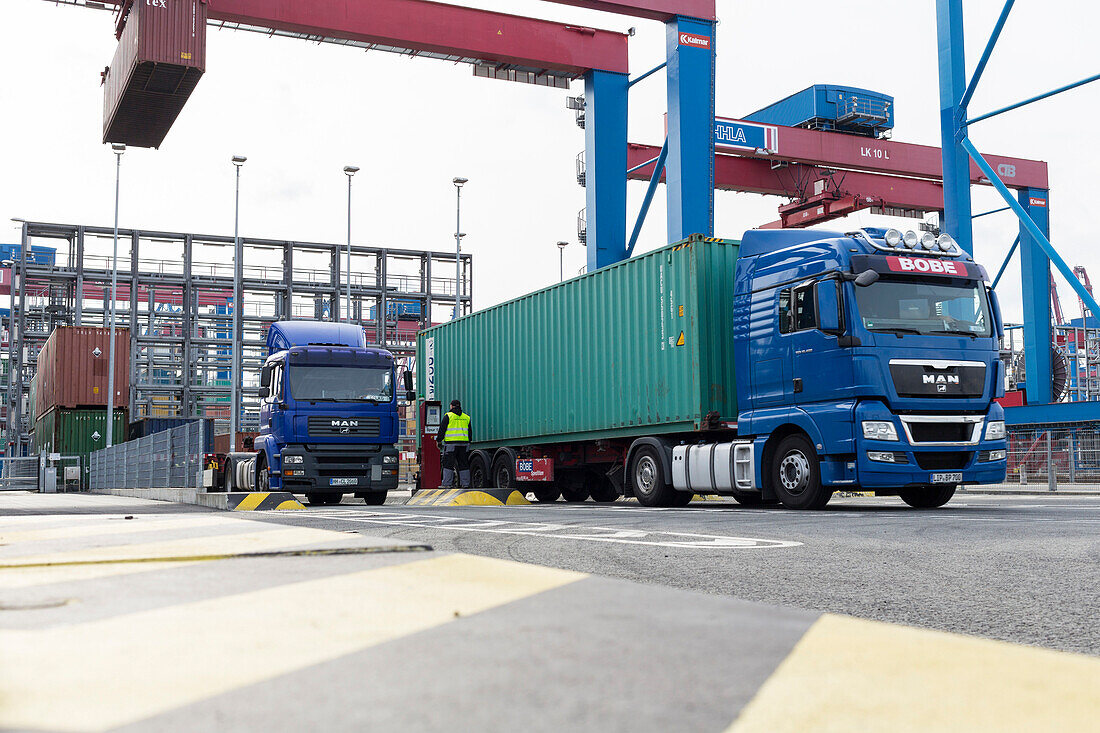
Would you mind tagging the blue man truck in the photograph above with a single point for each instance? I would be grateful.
(786, 366)
(328, 416)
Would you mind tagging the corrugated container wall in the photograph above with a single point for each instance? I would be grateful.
(152, 425)
(160, 58)
(72, 368)
(77, 432)
(638, 348)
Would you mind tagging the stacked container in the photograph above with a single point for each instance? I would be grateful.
(70, 391)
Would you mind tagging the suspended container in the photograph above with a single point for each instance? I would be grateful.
(160, 58)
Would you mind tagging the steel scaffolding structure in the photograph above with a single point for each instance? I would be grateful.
(178, 304)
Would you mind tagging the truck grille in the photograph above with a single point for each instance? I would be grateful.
(944, 460)
(937, 379)
(941, 432)
(358, 427)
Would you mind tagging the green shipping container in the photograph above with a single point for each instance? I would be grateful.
(642, 347)
(71, 432)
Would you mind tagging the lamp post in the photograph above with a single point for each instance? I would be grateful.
(350, 170)
(118, 149)
(238, 325)
(459, 183)
(8, 411)
(561, 260)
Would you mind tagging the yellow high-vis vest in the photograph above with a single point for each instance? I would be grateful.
(458, 428)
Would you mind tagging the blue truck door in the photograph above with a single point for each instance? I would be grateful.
(821, 369)
(769, 348)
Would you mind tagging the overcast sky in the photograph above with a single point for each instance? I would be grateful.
(301, 111)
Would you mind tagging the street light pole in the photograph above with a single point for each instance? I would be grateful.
(118, 149)
(238, 323)
(459, 182)
(350, 170)
(561, 260)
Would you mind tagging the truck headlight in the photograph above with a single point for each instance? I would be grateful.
(389, 459)
(995, 430)
(293, 460)
(879, 430)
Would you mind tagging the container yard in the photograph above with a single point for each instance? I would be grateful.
(776, 407)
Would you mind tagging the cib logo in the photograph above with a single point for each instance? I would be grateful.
(1006, 170)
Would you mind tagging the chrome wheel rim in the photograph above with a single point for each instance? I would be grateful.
(645, 475)
(794, 472)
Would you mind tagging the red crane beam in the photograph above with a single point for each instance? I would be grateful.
(650, 9)
(837, 150)
(430, 27)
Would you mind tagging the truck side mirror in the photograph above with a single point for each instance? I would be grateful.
(408, 381)
(265, 392)
(828, 306)
(867, 277)
(265, 377)
(995, 306)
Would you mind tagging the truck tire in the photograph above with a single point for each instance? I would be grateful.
(333, 498)
(504, 471)
(574, 496)
(375, 498)
(479, 471)
(796, 475)
(927, 497)
(263, 477)
(647, 476)
(546, 496)
(227, 477)
(602, 488)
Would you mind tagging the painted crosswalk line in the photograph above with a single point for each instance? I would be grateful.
(848, 674)
(127, 668)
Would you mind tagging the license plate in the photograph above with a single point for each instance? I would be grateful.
(343, 482)
(947, 478)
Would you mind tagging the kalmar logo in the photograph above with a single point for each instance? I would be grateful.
(690, 39)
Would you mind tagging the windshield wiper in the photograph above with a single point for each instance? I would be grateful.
(954, 332)
(899, 331)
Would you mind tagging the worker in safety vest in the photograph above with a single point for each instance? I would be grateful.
(454, 442)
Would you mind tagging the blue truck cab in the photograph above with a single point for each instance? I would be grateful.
(328, 415)
(873, 362)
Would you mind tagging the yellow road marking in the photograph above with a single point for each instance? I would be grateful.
(14, 578)
(848, 674)
(102, 674)
(250, 502)
(225, 544)
(476, 498)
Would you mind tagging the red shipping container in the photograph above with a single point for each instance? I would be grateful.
(160, 58)
(72, 368)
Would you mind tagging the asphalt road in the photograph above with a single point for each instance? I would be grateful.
(1021, 569)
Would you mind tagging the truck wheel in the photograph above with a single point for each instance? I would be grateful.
(334, 498)
(375, 498)
(263, 477)
(603, 490)
(546, 496)
(504, 472)
(748, 498)
(479, 472)
(927, 497)
(574, 495)
(648, 479)
(796, 475)
(227, 478)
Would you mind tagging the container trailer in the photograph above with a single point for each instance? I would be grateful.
(328, 416)
(786, 366)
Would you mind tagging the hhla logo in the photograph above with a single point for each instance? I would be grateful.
(690, 39)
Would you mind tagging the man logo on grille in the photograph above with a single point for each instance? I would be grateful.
(941, 387)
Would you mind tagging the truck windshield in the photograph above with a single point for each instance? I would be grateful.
(340, 384)
(924, 307)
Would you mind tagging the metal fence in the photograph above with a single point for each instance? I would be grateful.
(1054, 457)
(19, 474)
(171, 459)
